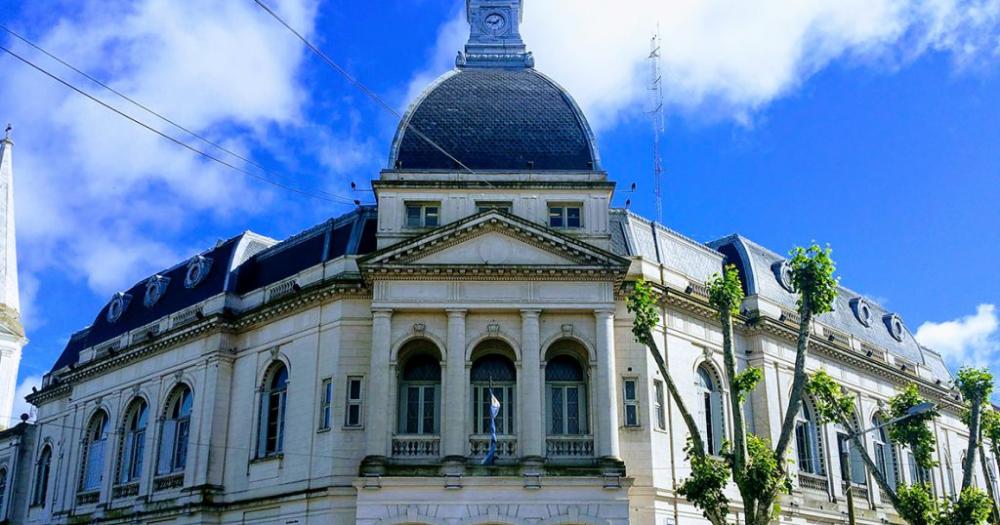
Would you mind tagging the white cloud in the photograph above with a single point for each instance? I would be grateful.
(107, 202)
(972, 340)
(20, 405)
(726, 58)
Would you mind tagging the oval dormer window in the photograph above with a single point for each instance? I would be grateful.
(156, 286)
(197, 271)
(117, 306)
(783, 274)
(895, 326)
(862, 311)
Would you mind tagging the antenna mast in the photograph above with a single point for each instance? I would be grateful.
(656, 114)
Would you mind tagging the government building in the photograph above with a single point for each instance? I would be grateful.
(342, 376)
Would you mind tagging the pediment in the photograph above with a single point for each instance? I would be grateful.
(494, 240)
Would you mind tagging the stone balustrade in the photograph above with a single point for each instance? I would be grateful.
(416, 446)
(479, 444)
(569, 446)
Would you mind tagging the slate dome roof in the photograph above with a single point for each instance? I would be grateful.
(509, 119)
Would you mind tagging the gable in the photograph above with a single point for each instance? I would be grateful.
(494, 247)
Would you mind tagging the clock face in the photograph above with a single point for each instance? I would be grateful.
(495, 23)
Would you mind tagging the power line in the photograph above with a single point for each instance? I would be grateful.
(368, 92)
(330, 198)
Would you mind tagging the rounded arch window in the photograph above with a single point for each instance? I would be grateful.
(174, 431)
(566, 396)
(95, 442)
(885, 453)
(493, 372)
(419, 389)
(273, 401)
(852, 466)
(133, 441)
(808, 441)
(43, 467)
(709, 410)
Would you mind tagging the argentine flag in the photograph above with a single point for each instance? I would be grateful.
(491, 454)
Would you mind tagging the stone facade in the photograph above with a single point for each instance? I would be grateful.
(340, 376)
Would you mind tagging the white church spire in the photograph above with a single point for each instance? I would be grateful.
(12, 338)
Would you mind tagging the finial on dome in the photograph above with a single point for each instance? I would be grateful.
(494, 35)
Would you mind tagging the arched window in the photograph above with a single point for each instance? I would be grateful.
(95, 439)
(42, 468)
(174, 431)
(498, 369)
(885, 453)
(709, 411)
(566, 396)
(853, 468)
(271, 435)
(3, 489)
(808, 442)
(133, 442)
(419, 389)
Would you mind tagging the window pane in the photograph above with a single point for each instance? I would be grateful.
(572, 217)
(167, 436)
(180, 458)
(429, 405)
(572, 410)
(556, 217)
(412, 409)
(431, 216)
(556, 408)
(630, 390)
(631, 417)
(413, 216)
(354, 415)
(355, 389)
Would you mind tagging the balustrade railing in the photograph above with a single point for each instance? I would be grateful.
(171, 481)
(416, 446)
(86, 498)
(569, 446)
(479, 444)
(126, 490)
(813, 482)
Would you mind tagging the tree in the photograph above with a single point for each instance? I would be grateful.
(991, 432)
(915, 503)
(976, 385)
(758, 470)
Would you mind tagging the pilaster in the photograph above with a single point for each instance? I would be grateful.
(376, 415)
(607, 425)
(531, 439)
(454, 428)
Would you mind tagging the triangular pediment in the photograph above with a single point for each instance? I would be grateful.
(494, 240)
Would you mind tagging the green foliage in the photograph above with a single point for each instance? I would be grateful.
(991, 426)
(812, 278)
(973, 507)
(642, 304)
(916, 504)
(746, 381)
(975, 384)
(763, 477)
(725, 292)
(705, 488)
(832, 403)
(914, 432)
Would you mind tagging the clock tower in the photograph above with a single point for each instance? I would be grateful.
(495, 37)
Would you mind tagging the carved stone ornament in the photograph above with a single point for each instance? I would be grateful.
(197, 270)
(117, 306)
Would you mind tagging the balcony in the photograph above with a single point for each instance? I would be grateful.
(813, 482)
(569, 447)
(479, 444)
(416, 446)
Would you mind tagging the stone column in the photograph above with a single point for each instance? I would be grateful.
(455, 432)
(607, 386)
(530, 442)
(378, 387)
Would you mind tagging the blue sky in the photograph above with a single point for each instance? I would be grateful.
(870, 125)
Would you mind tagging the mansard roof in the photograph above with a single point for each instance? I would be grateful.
(761, 270)
(237, 265)
(633, 235)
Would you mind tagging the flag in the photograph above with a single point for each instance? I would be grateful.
(491, 454)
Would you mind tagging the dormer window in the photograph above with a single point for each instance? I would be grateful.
(155, 287)
(117, 306)
(565, 215)
(197, 270)
(422, 214)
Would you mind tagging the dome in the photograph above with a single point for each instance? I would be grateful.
(509, 119)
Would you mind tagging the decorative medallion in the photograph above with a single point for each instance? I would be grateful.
(197, 271)
(862, 311)
(117, 306)
(156, 286)
(495, 23)
(783, 273)
(895, 326)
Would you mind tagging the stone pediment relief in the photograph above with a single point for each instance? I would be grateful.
(494, 240)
